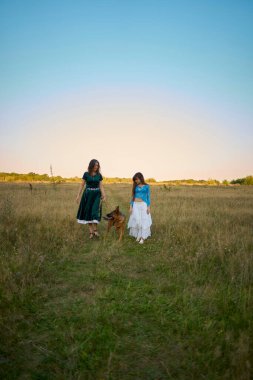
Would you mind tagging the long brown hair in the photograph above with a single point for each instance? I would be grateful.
(141, 178)
(92, 164)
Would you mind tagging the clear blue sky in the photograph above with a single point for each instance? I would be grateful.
(64, 60)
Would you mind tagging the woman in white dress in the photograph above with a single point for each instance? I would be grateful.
(140, 218)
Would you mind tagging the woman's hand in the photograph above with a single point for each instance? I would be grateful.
(103, 198)
(80, 191)
(130, 210)
(148, 210)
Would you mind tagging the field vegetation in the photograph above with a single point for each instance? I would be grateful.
(178, 307)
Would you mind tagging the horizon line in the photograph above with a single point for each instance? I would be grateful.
(150, 179)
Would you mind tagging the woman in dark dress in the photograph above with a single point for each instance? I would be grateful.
(90, 207)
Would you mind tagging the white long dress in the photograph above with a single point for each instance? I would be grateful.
(140, 221)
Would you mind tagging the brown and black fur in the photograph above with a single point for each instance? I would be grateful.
(117, 219)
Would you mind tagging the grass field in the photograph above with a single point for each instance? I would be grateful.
(178, 307)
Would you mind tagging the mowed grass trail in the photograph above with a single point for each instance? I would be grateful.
(178, 307)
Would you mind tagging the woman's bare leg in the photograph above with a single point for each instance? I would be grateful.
(95, 231)
(91, 230)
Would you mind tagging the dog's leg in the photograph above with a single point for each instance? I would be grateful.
(109, 225)
(118, 233)
(121, 232)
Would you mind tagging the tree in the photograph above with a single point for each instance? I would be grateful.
(248, 180)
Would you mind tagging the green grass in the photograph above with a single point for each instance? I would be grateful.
(178, 307)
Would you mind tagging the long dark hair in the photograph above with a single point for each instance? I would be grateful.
(92, 164)
(141, 178)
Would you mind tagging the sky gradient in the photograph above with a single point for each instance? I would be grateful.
(162, 87)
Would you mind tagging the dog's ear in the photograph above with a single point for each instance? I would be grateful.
(117, 210)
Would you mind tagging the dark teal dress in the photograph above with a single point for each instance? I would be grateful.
(90, 208)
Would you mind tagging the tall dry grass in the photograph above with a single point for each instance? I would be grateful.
(178, 307)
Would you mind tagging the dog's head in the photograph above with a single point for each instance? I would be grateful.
(114, 215)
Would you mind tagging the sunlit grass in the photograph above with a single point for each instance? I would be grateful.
(178, 307)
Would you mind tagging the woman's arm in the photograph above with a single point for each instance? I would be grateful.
(102, 190)
(148, 199)
(80, 190)
(131, 204)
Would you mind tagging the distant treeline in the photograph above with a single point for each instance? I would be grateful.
(33, 177)
(212, 182)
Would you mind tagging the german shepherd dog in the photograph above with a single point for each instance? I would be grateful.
(116, 219)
